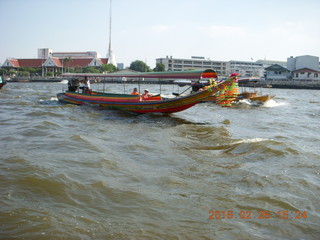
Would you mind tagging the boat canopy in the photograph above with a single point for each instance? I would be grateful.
(196, 74)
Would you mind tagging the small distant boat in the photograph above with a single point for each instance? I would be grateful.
(2, 83)
(133, 103)
(254, 96)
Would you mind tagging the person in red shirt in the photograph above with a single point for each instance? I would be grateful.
(146, 95)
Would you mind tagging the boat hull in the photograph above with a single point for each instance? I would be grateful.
(262, 98)
(2, 84)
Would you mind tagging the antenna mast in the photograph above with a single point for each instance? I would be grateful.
(110, 23)
(111, 57)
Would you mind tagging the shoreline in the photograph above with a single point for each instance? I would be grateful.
(281, 86)
(266, 84)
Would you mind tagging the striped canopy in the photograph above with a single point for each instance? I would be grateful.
(197, 74)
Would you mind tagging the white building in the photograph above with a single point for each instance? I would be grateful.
(306, 61)
(44, 53)
(245, 68)
(182, 64)
(223, 68)
(302, 70)
(268, 63)
(89, 54)
(305, 74)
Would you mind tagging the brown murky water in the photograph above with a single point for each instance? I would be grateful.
(74, 172)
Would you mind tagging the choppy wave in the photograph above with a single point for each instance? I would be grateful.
(51, 101)
(273, 103)
(268, 104)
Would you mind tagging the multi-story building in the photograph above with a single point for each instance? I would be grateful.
(90, 54)
(46, 52)
(182, 64)
(268, 63)
(245, 68)
(306, 61)
(223, 68)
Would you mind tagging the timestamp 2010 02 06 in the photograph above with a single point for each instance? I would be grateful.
(246, 214)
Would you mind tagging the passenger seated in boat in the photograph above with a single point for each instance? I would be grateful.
(73, 85)
(135, 92)
(86, 87)
(197, 87)
(146, 95)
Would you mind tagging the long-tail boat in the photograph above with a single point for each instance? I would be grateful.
(133, 103)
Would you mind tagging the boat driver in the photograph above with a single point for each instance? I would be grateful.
(135, 92)
(73, 84)
(86, 87)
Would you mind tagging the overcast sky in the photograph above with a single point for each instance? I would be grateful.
(150, 29)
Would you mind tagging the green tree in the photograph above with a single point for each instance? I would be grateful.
(23, 73)
(108, 68)
(90, 70)
(49, 74)
(160, 67)
(12, 72)
(139, 66)
(3, 71)
(32, 71)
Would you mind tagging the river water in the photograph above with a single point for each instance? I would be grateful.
(75, 172)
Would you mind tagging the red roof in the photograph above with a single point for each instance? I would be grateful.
(14, 62)
(305, 70)
(36, 62)
(30, 62)
(104, 60)
(80, 62)
(57, 61)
